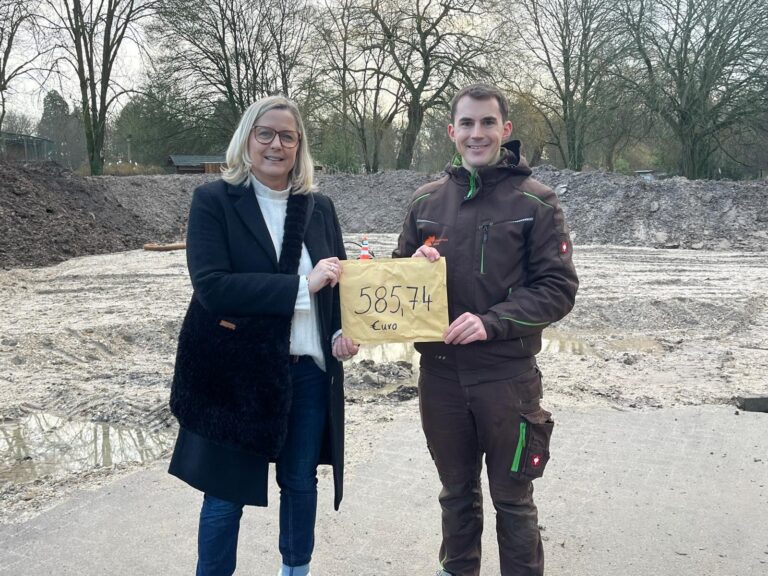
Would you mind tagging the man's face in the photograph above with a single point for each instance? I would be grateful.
(478, 131)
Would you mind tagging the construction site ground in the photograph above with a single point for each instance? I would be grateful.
(655, 468)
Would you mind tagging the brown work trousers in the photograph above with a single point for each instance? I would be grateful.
(461, 423)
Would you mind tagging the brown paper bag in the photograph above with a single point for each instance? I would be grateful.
(394, 300)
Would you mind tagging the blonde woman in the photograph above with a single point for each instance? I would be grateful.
(258, 377)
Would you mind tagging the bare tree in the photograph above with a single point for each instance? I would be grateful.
(19, 123)
(216, 49)
(19, 47)
(568, 44)
(289, 25)
(433, 45)
(236, 50)
(701, 65)
(622, 121)
(358, 72)
(91, 36)
(529, 126)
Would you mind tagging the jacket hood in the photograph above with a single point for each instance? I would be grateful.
(511, 162)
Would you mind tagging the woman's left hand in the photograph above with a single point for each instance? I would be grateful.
(344, 348)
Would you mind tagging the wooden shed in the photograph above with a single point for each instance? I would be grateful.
(193, 164)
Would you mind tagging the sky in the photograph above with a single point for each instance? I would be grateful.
(27, 95)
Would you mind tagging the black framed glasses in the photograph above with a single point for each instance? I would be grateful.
(265, 135)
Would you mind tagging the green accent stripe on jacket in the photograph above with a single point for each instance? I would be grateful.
(537, 199)
(523, 322)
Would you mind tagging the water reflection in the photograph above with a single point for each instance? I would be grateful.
(557, 343)
(552, 341)
(389, 353)
(646, 345)
(378, 370)
(42, 444)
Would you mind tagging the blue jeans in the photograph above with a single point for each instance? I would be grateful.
(296, 475)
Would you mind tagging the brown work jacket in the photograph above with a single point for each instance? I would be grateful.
(508, 256)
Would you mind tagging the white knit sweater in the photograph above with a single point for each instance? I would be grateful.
(305, 327)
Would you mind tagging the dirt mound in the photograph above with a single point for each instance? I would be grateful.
(607, 208)
(368, 203)
(47, 214)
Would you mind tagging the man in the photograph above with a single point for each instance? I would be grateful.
(510, 274)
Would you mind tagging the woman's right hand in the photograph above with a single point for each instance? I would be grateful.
(326, 271)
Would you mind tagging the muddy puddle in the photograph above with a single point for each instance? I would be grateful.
(379, 353)
(42, 444)
(379, 371)
(392, 370)
(556, 342)
(561, 344)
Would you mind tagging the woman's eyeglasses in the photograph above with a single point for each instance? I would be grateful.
(265, 135)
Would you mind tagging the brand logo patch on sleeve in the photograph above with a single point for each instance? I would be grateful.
(564, 247)
(536, 460)
(434, 240)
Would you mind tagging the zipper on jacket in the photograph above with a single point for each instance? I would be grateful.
(485, 228)
(472, 185)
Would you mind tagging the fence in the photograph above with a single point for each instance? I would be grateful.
(24, 147)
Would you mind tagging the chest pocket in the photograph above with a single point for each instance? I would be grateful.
(502, 243)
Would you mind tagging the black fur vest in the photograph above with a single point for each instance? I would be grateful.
(231, 382)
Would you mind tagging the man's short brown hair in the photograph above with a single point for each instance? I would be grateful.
(481, 92)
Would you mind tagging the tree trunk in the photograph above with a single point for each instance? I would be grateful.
(97, 162)
(575, 159)
(2, 109)
(94, 136)
(694, 154)
(536, 155)
(375, 159)
(408, 140)
(609, 158)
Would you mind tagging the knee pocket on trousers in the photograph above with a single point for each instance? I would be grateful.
(532, 447)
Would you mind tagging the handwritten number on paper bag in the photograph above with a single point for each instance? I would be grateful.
(393, 295)
(381, 302)
(413, 300)
(381, 295)
(425, 298)
(364, 295)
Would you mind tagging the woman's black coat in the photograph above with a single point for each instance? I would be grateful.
(234, 271)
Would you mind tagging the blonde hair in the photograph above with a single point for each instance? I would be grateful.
(239, 162)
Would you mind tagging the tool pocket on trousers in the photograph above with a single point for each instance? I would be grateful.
(532, 450)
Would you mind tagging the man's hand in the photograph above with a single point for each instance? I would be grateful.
(465, 329)
(427, 252)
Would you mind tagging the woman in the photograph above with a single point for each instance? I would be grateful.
(258, 376)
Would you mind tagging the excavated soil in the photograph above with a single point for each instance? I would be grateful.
(48, 215)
